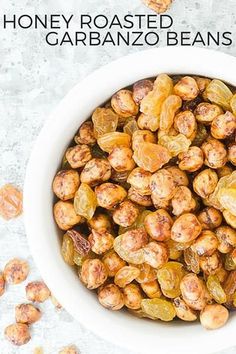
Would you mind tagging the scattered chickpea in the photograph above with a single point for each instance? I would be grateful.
(2, 284)
(123, 104)
(206, 112)
(183, 311)
(155, 254)
(142, 136)
(140, 180)
(158, 225)
(125, 214)
(27, 313)
(113, 263)
(232, 154)
(70, 349)
(141, 89)
(93, 273)
(96, 171)
(186, 228)
(66, 184)
(85, 135)
(152, 289)
(16, 271)
(17, 333)
(223, 125)
(109, 195)
(78, 155)
(205, 183)
(132, 296)
(214, 316)
(111, 297)
(185, 123)
(101, 241)
(162, 184)
(210, 218)
(192, 160)
(158, 6)
(215, 153)
(187, 88)
(37, 291)
(137, 197)
(65, 216)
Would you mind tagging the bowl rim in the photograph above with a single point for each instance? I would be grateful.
(38, 224)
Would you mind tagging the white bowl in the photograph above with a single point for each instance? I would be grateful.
(142, 336)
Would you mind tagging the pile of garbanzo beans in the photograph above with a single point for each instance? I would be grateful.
(147, 200)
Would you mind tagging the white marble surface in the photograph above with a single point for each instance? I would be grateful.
(33, 79)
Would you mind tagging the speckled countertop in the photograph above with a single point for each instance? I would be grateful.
(33, 79)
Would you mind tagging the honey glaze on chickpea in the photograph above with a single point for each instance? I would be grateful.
(146, 198)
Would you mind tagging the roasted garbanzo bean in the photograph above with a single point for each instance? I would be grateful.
(155, 254)
(16, 271)
(215, 153)
(126, 213)
(2, 284)
(70, 349)
(37, 291)
(27, 313)
(206, 112)
(205, 183)
(111, 297)
(93, 273)
(109, 195)
(194, 291)
(206, 244)
(139, 198)
(214, 316)
(65, 184)
(96, 171)
(186, 228)
(180, 177)
(78, 155)
(141, 89)
(232, 154)
(186, 88)
(162, 184)
(65, 216)
(132, 296)
(227, 238)
(101, 241)
(140, 180)
(210, 218)
(121, 159)
(223, 126)
(113, 263)
(142, 136)
(182, 201)
(123, 104)
(152, 289)
(85, 135)
(192, 160)
(17, 333)
(183, 311)
(185, 123)
(158, 225)
(100, 221)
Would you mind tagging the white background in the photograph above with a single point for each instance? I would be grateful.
(33, 79)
